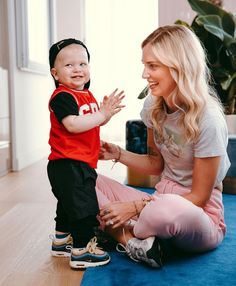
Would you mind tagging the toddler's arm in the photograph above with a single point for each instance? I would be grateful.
(110, 106)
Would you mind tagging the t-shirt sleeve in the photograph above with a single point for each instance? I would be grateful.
(64, 104)
(213, 137)
(145, 113)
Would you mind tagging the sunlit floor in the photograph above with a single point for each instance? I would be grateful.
(27, 209)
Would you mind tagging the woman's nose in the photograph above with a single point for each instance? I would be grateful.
(145, 74)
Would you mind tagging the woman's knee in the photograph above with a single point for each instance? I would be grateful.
(165, 217)
(152, 221)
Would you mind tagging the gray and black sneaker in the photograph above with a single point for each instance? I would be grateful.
(143, 250)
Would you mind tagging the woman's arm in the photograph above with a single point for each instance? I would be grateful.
(204, 176)
(151, 163)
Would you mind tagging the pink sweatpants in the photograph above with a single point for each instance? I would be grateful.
(169, 215)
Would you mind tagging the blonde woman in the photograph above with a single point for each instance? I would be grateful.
(187, 141)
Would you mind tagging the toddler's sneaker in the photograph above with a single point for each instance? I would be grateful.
(147, 250)
(90, 256)
(61, 247)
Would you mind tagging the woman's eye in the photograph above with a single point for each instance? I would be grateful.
(153, 66)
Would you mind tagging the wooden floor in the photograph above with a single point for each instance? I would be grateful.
(27, 210)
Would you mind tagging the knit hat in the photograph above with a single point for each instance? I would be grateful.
(57, 47)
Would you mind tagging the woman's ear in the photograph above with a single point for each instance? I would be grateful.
(54, 73)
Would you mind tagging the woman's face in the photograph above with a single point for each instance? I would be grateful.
(160, 81)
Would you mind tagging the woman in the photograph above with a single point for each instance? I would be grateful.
(187, 141)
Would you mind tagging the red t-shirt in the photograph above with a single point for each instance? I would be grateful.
(82, 146)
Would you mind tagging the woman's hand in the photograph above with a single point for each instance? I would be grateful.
(116, 214)
(109, 151)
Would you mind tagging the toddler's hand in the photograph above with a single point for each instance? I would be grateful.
(112, 104)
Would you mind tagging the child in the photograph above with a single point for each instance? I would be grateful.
(74, 139)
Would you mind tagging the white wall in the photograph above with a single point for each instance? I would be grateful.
(29, 94)
(114, 32)
(70, 19)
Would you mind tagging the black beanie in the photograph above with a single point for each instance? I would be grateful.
(57, 47)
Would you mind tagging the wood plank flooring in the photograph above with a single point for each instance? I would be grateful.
(27, 209)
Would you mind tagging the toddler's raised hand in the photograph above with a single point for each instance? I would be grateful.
(112, 104)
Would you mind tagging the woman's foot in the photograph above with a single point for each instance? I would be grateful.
(144, 250)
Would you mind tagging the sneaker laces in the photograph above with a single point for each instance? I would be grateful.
(92, 246)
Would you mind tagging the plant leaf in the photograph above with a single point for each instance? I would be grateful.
(183, 23)
(213, 24)
(225, 84)
(204, 8)
(231, 53)
(143, 93)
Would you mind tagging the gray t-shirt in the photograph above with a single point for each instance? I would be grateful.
(178, 155)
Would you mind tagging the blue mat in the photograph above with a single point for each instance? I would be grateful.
(215, 268)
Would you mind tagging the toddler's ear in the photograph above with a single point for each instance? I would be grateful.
(54, 73)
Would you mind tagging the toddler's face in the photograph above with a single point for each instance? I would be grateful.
(71, 67)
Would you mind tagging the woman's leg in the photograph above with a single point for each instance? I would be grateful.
(172, 216)
(147, 250)
(109, 190)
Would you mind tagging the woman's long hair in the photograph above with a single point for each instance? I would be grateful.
(178, 48)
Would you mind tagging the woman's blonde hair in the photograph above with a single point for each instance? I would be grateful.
(178, 48)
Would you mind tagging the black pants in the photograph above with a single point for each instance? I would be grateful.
(73, 184)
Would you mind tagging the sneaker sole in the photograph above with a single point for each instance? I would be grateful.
(155, 252)
(85, 264)
(60, 254)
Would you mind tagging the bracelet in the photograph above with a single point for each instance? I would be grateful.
(146, 201)
(119, 155)
(118, 159)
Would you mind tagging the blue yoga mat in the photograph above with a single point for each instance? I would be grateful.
(215, 268)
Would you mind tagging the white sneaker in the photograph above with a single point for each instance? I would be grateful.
(146, 250)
